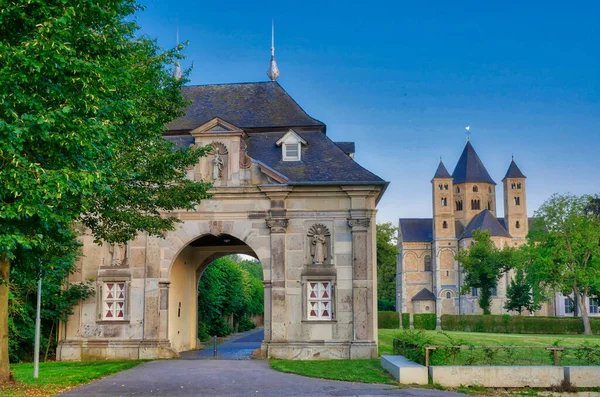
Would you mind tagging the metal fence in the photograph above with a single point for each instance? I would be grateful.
(497, 355)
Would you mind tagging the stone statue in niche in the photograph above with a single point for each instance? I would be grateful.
(319, 241)
(217, 165)
(118, 252)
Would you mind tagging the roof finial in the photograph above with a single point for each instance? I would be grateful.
(273, 70)
(513, 157)
(177, 70)
(468, 128)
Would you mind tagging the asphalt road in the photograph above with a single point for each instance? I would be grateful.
(236, 348)
(179, 378)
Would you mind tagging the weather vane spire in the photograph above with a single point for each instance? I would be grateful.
(468, 128)
(177, 73)
(273, 70)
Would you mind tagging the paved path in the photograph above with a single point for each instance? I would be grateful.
(236, 348)
(179, 378)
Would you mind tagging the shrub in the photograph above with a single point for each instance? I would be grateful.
(517, 324)
(426, 321)
(405, 320)
(385, 305)
(245, 324)
(219, 327)
(203, 332)
(412, 345)
(388, 320)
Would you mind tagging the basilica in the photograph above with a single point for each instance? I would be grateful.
(428, 278)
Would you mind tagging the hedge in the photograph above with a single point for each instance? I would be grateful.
(405, 320)
(388, 320)
(517, 324)
(426, 321)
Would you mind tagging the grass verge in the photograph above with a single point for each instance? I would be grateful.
(58, 376)
(364, 371)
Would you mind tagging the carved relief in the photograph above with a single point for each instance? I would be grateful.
(217, 166)
(319, 239)
(277, 225)
(364, 222)
(245, 161)
(118, 254)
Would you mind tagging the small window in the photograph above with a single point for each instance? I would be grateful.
(475, 189)
(475, 205)
(440, 186)
(444, 201)
(291, 152)
(517, 200)
(494, 292)
(518, 185)
(444, 225)
(113, 301)
(490, 189)
(513, 186)
(448, 295)
(489, 206)
(428, 263)
(459, 205)
(458, 189)
(474, 292)
(518, 224)
(446, 187)
(593, 306)
(569, 306)
(319, 300)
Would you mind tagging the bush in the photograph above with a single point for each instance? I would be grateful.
(219, 327)
(517, 324)
(426, 321)
(245, 324)
(203, 334)
(405, 320)
(388, 320)
(385, 305)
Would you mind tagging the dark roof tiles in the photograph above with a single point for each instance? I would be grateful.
(441, 171)
(414, 230)
(485, 221)
(347, 147)
(246, 105)
(513, 171)
(470, 168)
(424, 295)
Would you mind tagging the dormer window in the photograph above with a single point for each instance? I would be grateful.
(291, 146)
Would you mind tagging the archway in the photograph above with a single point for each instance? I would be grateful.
(184, 276)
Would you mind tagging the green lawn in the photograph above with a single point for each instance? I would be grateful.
(365, 371)
(57, 376)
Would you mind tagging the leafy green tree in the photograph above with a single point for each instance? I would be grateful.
(519, 294)
(563, 252)
(483, 264)
(83, 104)
(387, 250)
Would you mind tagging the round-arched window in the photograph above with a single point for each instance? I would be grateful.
(475, 189)
(448, 295)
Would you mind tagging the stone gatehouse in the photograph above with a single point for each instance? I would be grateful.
(283, 193)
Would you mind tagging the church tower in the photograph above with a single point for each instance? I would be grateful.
(443, 199)
(515, 202)
(474, 188)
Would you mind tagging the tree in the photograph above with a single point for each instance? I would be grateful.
(83, 105)
(387, 250)
(563, 252)
(519, 295)
(483, 264)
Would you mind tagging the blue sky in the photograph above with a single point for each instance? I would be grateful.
(403, 79)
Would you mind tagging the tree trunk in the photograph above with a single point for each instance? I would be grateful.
(4, 276)
(581, 302)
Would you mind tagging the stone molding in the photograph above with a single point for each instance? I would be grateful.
(359, 223)
(277, 225)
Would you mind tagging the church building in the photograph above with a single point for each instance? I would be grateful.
(428, 278)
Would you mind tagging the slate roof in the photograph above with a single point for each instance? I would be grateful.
(513, 171)
(245, 105)
(485, 221)
(416, 230)
(470, 168)
(441, 171)
(322, 161)
(424, 295)
(347, 147)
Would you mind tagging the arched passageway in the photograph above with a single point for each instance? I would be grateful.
(184, 276)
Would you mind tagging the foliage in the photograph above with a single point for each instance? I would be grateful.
(388, 319)
(245, 324)
(427, 321)
(563, 251)
(387, 250)
(405, 320)
(411, 344)
(365, 371)
(519, 296)
(226, 289)
(589, 353)
(516, 324)
(84, 102)
(58, 376)
(483, 264)
(386, 306)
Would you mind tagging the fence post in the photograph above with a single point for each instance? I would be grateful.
(555, 357)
